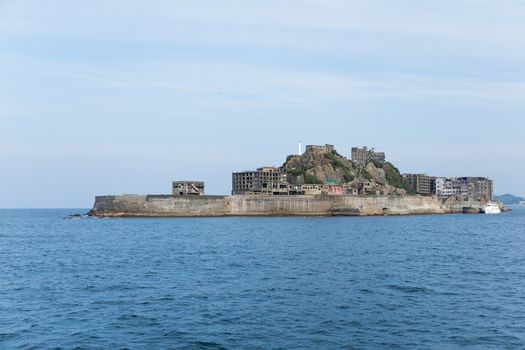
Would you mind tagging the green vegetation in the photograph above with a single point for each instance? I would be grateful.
(289, 158)
(297, 172)
(311, 179)
(336, 162)
(302, 171)
(364, 173)
(377, 163)
(348, 177)
(334, 152)
(333, 157)
(394, 178)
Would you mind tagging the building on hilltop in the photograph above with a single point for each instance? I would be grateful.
(479, 188)
(325, 149)
(265, 180)
(187, 188)
(364, 155)
(420, 183)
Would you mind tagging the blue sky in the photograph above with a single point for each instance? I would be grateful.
(110, 97)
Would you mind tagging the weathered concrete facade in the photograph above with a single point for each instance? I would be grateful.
(420, 183)
(265, 180)
(246, 205)
(364, 155)
(480, 188)
(187, 188)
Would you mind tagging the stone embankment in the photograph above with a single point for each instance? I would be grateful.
(249, 205)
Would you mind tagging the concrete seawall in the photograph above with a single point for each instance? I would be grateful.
(324, 205)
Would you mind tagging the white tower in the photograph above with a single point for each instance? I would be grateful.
(300, 149)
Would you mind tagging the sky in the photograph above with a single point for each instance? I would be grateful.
(123, 96)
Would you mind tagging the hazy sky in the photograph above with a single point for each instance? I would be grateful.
(110, 97)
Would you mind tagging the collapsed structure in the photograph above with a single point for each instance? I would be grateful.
(187, 188)
(265, 180)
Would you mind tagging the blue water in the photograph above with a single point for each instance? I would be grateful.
(418, 282)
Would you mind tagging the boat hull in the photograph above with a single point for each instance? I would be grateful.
(491, 209)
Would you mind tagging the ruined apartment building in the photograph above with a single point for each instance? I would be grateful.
(364, 155)
(187, 188)
(479, 188)
(265, 180)
(420, 183)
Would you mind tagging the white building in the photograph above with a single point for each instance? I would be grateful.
(440, 188)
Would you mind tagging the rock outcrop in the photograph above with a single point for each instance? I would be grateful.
(323, 164)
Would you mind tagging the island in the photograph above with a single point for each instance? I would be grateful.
(510, 200)
(316, 182)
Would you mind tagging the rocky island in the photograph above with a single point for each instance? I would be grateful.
(318, 182)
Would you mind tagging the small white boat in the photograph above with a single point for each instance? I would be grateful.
(491, 208)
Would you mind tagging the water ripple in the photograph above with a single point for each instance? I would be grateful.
(432, 282)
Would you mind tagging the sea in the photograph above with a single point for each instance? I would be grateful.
(392, 282)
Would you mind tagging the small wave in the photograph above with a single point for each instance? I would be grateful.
(109, 302)
(204, 345)
(367, 291)
(175, 334)
(409, 289)
(7, 336)
(487, 340)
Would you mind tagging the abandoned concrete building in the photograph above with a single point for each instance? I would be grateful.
(317, 189)
(420, 183)
(479, 188)
(187, 188)
(325, 149)
(364, 155)
(265, 180)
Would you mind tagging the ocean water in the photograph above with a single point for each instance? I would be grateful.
(415, 282)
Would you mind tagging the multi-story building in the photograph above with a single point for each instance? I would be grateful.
(420, 183)
(265, 180)
(364, 155)
(187, 188)
(480, 188)
(441, 187)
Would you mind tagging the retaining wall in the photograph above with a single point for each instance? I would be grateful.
(250, 205)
